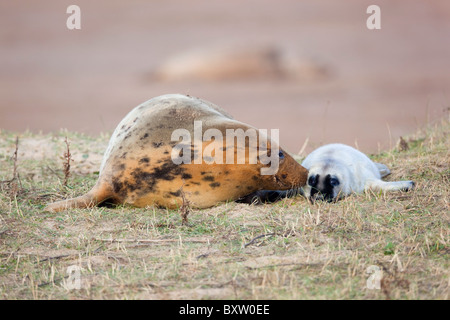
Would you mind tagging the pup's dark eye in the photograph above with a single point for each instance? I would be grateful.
(334, 182)
(281, 155)
(312, 180)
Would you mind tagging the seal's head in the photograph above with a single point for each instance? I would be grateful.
(290, 174)
(326, 181)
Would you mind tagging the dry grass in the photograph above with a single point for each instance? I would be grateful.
(288, 250)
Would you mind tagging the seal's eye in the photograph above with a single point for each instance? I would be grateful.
(334, 182)
(281, 154)
(312, 180)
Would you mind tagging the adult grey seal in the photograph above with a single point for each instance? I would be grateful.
(139, 167)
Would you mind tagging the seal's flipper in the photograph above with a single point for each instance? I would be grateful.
(94, 197)
(383, 169)
(390, 185)
(268, 196)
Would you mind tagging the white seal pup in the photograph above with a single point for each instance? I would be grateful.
(337, 170)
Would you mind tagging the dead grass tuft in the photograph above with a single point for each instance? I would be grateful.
(13, 185)
(67, 159)
(185, 209)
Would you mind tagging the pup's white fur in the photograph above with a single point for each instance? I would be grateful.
(337, 170)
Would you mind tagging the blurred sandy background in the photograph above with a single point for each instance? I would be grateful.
(354, 85)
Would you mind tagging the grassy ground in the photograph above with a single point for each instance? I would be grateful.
(288, 250)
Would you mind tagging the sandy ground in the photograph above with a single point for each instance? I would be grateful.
(378, 84)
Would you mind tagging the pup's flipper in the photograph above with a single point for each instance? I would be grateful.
(390, 185)
(383, 169)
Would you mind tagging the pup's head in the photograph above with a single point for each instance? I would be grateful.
(325, 182)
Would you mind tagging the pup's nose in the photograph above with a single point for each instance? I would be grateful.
(320, 196)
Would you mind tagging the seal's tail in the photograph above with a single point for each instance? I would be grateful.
(92, 198)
